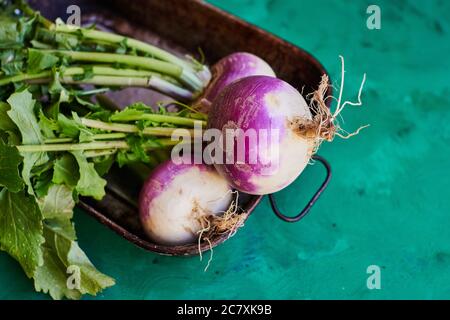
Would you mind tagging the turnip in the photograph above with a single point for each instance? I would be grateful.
(229, 69)
(180, 201)
(266, 104)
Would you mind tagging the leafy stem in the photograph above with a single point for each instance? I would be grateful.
(129, 128)
(105, 145)
(109, 76)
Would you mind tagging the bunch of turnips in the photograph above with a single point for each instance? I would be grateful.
(59, 137)
(249, 98)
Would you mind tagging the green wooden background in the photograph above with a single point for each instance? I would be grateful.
(388, 203)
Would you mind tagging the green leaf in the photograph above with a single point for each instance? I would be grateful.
(14, 30)
(40, 45)
(31, 160)
(56, 88)
(43, 182)
(39, 61)
(66, 41)
(137, 147)
(21, 229)
(61, 255)
(88, 73)
(126, 114)
(103, 115)
(58, 203)
(48, 126)
(92, 281)
(4, 136)
(62, 227)
(66, 171)
(139, 106)
(11, 138)
(68, 127)
(73, 128)
(10, 160)
(6, 123)
(12, 62)
(22, 113)
(9, 34)
(123, 46)
(51, 277)
(88, 104)
(58, 40)
(103, 164)
(58, 94)
(90, 182)
(124, 157)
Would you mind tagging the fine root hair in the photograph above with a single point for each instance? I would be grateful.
(324, 125)
(226, 224)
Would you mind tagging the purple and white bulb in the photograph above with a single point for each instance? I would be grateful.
(229, 69)
(176, 197)
(263, 104)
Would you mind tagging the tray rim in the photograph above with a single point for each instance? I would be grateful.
(181, 250)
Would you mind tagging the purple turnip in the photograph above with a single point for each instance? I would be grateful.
(177, 200)
(229, 69)
(262, 104)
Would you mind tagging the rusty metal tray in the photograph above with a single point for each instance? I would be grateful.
(182, 26)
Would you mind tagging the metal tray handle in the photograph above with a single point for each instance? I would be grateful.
(311, 202)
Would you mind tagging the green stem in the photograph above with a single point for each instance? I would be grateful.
(27, 10)
(135, 61)
(74, 146)
(100, 136)
(55, 38)
(198, 116)
(108, 81)
(129, 128)
(146, 63)
(57, 140)
(130, 43)
(40, 45)
(154, 83)
(108, 76)
(161, 118)
(98, 146)
(24, 77)
(96, 70)
(108, 136)
(111, 71)
(121, 80)
(99, 153)
(97, 91)
(160, 143)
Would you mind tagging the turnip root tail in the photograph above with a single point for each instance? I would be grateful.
(324, 125)
(226, 224)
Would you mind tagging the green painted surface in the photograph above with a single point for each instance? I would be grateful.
(388, 203)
